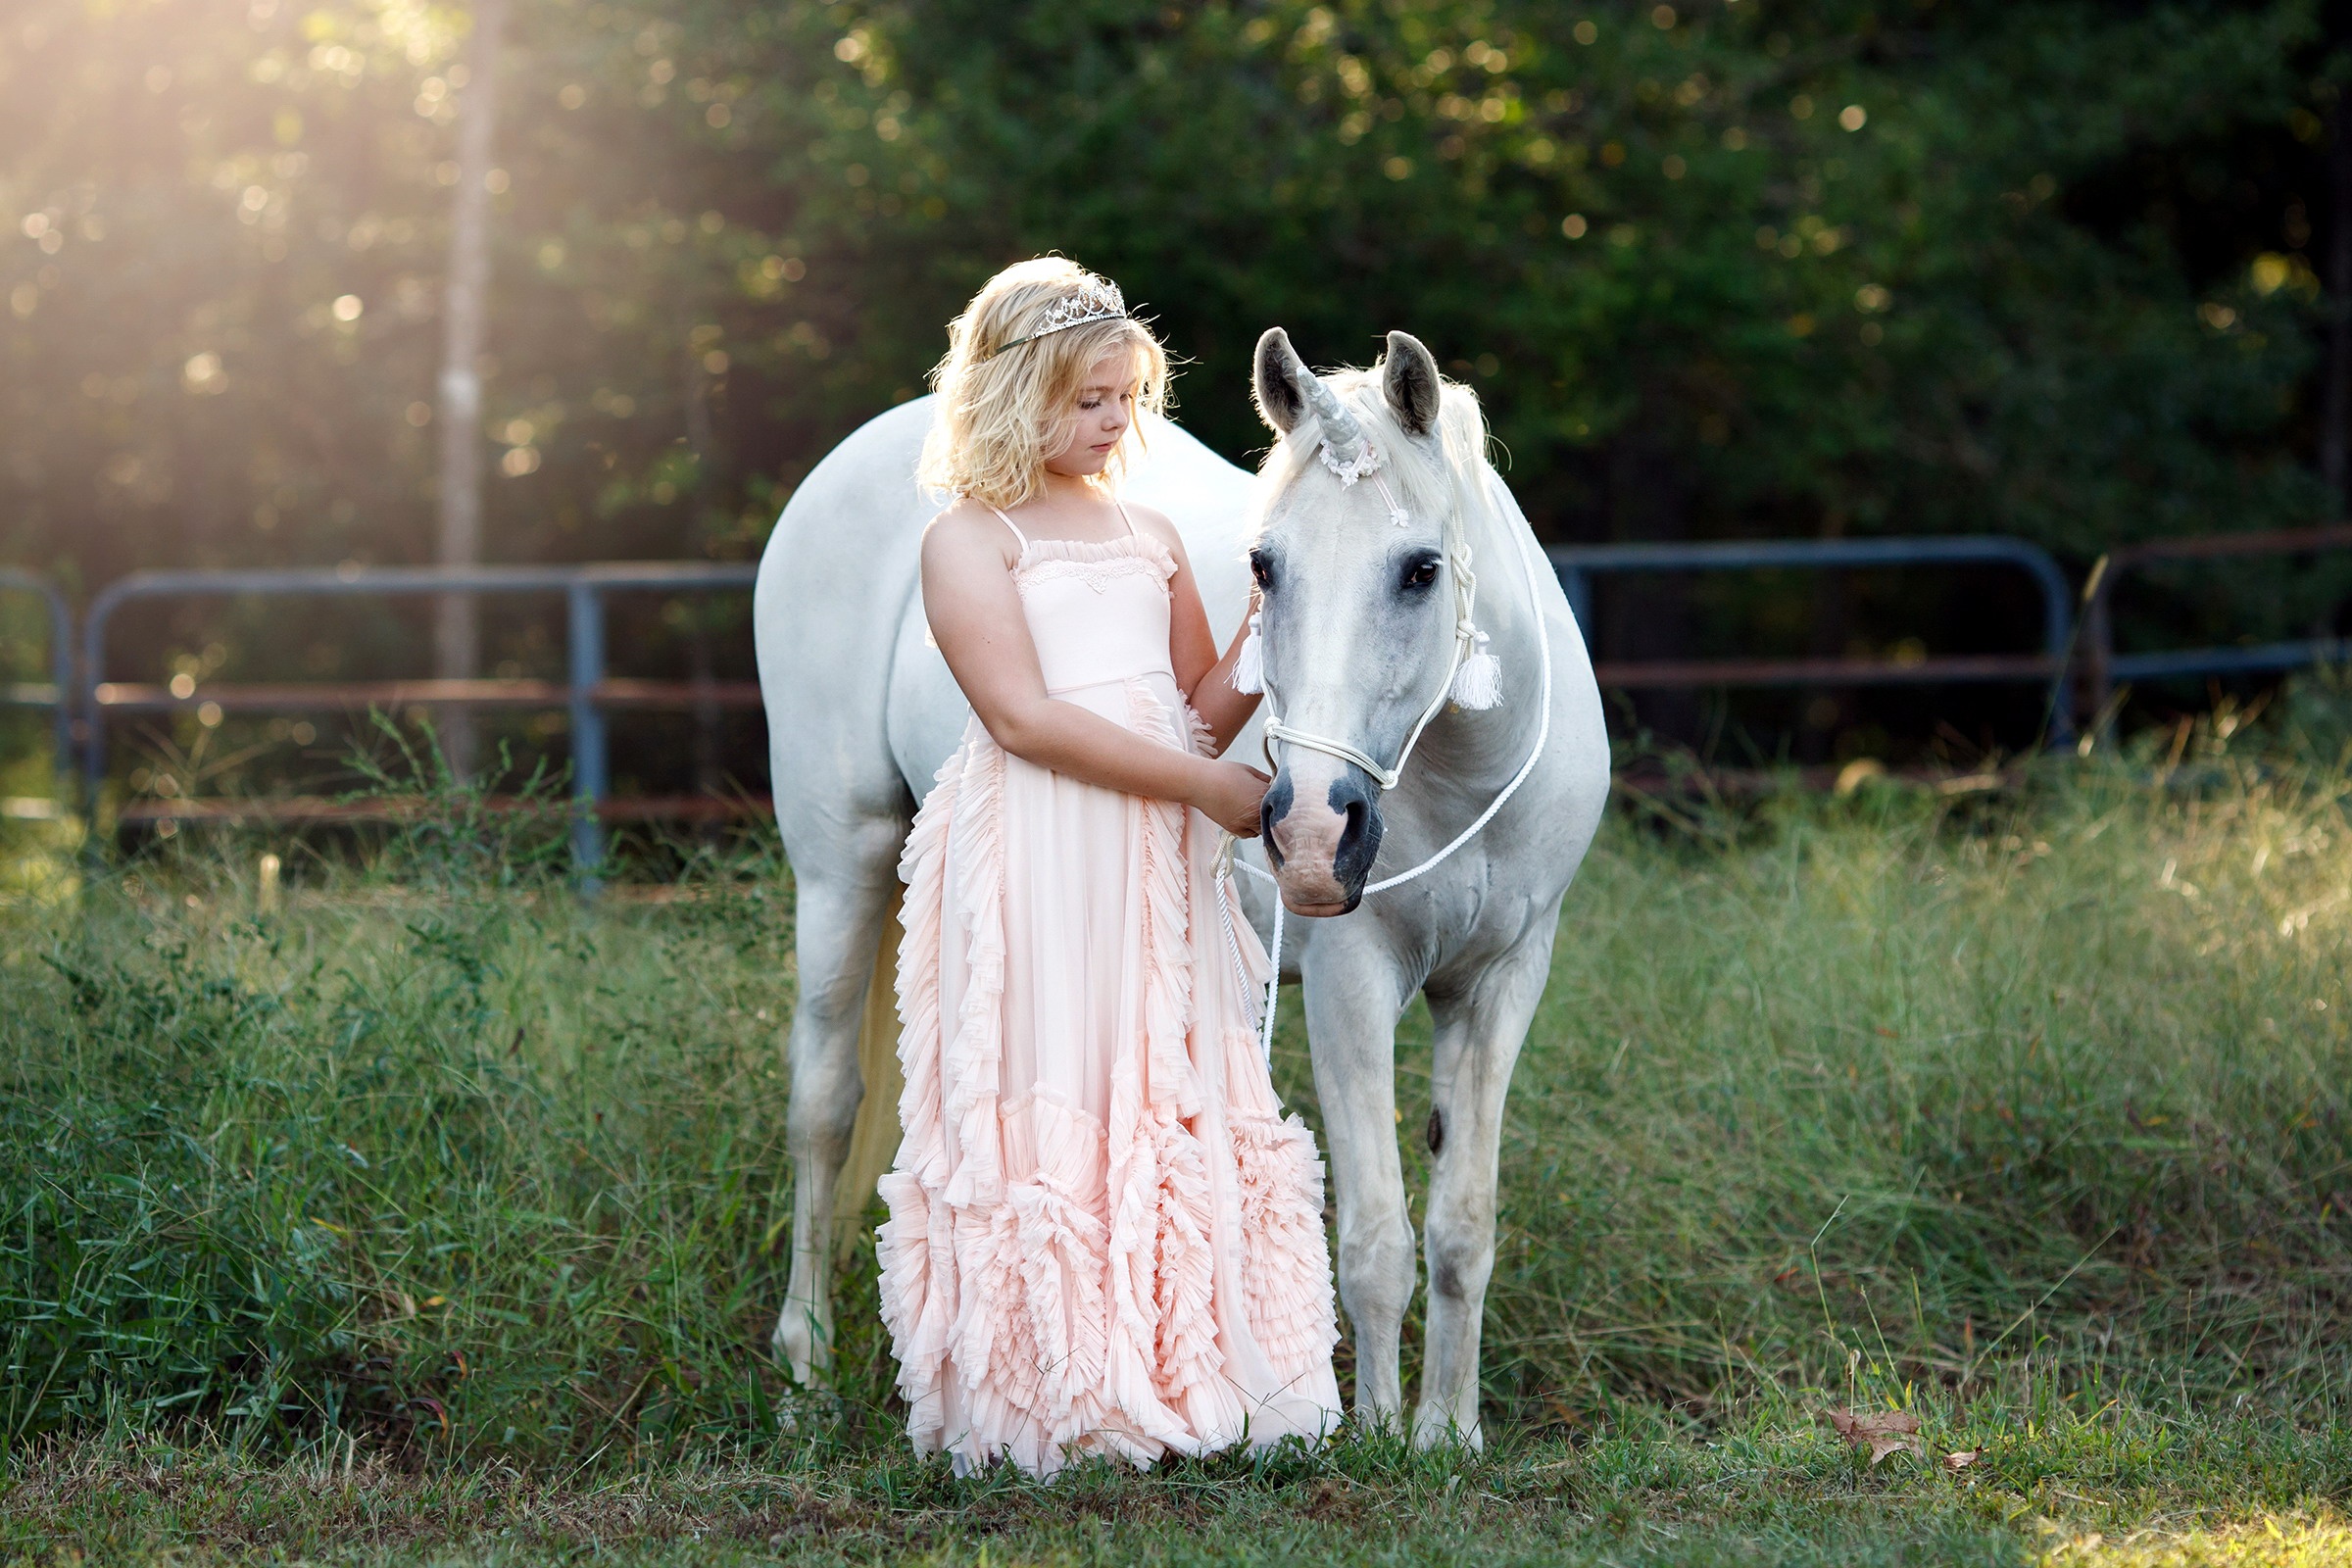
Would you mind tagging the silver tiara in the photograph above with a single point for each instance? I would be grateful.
(1097, 300)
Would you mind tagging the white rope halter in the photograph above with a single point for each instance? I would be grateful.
(1364, 462)
(1466, 636)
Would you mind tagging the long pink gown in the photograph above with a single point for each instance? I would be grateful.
(1103, 1234)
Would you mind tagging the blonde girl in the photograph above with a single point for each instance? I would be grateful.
(1105, 1237)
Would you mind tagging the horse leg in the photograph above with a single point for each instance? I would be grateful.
(1479, 1032)
(838, 927)
(1353, 1001)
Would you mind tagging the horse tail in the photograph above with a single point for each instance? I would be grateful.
(874, 1140)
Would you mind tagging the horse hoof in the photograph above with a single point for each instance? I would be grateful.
(804, 1347)
(1435, 1429)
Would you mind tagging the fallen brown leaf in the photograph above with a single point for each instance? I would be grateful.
(1882, 1432)
(1962, 1460)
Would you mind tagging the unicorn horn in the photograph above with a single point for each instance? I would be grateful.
(1340, 432)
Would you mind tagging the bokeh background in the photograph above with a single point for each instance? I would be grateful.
(2069, 271)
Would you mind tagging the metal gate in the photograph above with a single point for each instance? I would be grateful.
(83, 702)
(586, 695)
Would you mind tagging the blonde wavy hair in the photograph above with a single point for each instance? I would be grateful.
(1004, 410)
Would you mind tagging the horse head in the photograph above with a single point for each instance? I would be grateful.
(1361, 566)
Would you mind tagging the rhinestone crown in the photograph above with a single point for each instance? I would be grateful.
(1097, 300)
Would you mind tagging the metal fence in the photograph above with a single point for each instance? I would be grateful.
(1577, 564)
(586, 695)
(83, 708)
(2103, 667)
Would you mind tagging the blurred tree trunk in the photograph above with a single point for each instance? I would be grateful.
(456, 633)
(702, 438)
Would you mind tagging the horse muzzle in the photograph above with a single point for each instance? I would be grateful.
(1321, 822)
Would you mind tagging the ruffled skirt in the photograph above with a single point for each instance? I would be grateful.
(1103, 1234)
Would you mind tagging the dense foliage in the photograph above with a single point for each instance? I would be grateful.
(1725, 268)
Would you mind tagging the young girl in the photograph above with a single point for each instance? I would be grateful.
(1103, 1238)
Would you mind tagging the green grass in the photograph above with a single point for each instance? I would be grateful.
(2115, 1489)
(436, 1214)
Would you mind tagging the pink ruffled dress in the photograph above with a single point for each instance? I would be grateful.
(1105, 1237)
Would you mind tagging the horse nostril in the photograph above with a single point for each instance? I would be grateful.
(1272, 809)
(1360, 833)
(1353, 832)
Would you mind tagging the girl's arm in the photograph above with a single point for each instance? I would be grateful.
(1202, 675)
(976, 618)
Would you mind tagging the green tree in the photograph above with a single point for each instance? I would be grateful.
(1718, 269)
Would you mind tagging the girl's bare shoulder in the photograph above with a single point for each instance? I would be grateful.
(1156, 523)
(967, 532)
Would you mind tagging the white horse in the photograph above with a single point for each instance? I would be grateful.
(1360, 636)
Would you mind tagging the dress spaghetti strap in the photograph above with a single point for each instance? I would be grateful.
(1015, 527)
(1129, 521)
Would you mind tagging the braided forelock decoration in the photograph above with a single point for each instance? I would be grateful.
(1437, 474)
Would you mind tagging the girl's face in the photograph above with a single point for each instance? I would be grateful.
(1106, 407)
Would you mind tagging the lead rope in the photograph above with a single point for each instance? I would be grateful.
(1233, 946)
(1228, 859)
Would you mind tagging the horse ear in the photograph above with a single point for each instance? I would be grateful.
(1409, 378)
(1274, 379)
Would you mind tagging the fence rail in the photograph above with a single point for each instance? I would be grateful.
(1578, 563)
(83, 702)
(232, 697)
(586, 696)
(2104, 668)
(314, 809)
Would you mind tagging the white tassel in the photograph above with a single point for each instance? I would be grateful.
(1249, 666)
(1478, 684)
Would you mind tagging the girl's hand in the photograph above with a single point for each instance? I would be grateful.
(1229, 797)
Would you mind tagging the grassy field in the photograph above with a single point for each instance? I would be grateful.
(434, 1215)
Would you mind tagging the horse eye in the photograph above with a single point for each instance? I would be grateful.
(1421, 573)
(1262, 568)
